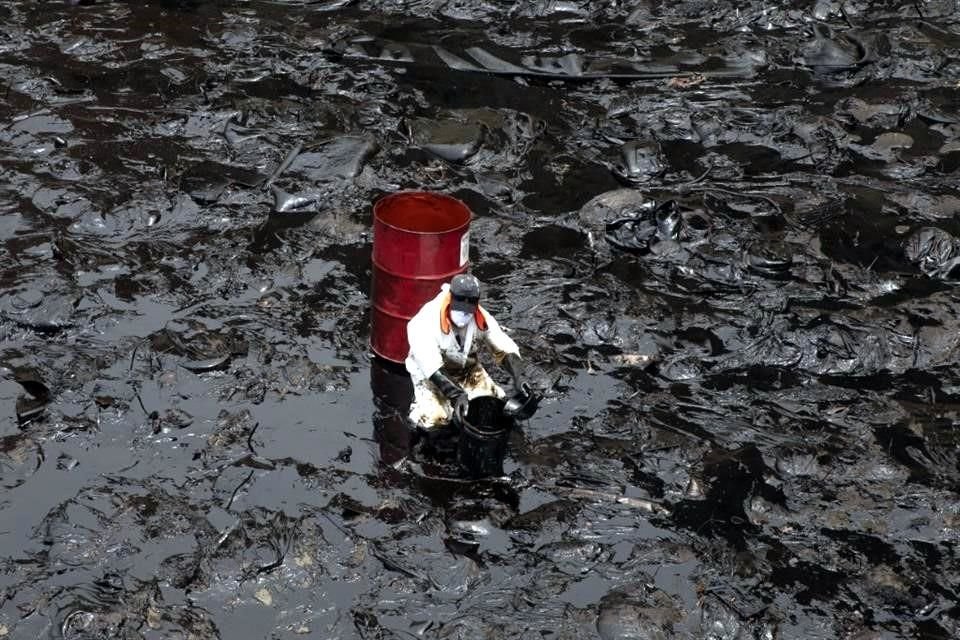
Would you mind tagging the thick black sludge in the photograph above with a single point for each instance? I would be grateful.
(725, 236)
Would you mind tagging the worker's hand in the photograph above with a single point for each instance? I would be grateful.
(520, 386)
(461, 405)
(454, 393)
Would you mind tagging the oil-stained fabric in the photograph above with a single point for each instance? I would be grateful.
(437, 344)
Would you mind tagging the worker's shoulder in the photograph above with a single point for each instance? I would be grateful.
(431, 307)
(490, 323)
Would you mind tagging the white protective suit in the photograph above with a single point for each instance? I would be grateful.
(436, 343)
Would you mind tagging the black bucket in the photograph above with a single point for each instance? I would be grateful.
(522, 405)
(483, 438)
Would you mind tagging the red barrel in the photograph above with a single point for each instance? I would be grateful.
(420, 241)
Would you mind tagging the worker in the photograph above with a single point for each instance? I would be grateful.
(442, 361)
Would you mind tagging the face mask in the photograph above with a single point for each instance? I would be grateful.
(460, 318)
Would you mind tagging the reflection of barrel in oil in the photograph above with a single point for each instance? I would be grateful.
(392, 393)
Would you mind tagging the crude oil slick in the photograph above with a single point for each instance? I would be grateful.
(724, 234)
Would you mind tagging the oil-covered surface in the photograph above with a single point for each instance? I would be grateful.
(724, 234)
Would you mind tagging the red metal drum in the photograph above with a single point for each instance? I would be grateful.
(420, 241)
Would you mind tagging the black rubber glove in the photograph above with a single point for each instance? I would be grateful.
(461, 406)
(454, 393)
(514, 367)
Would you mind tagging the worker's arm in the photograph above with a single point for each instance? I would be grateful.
(424, 358)
(505, 350)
